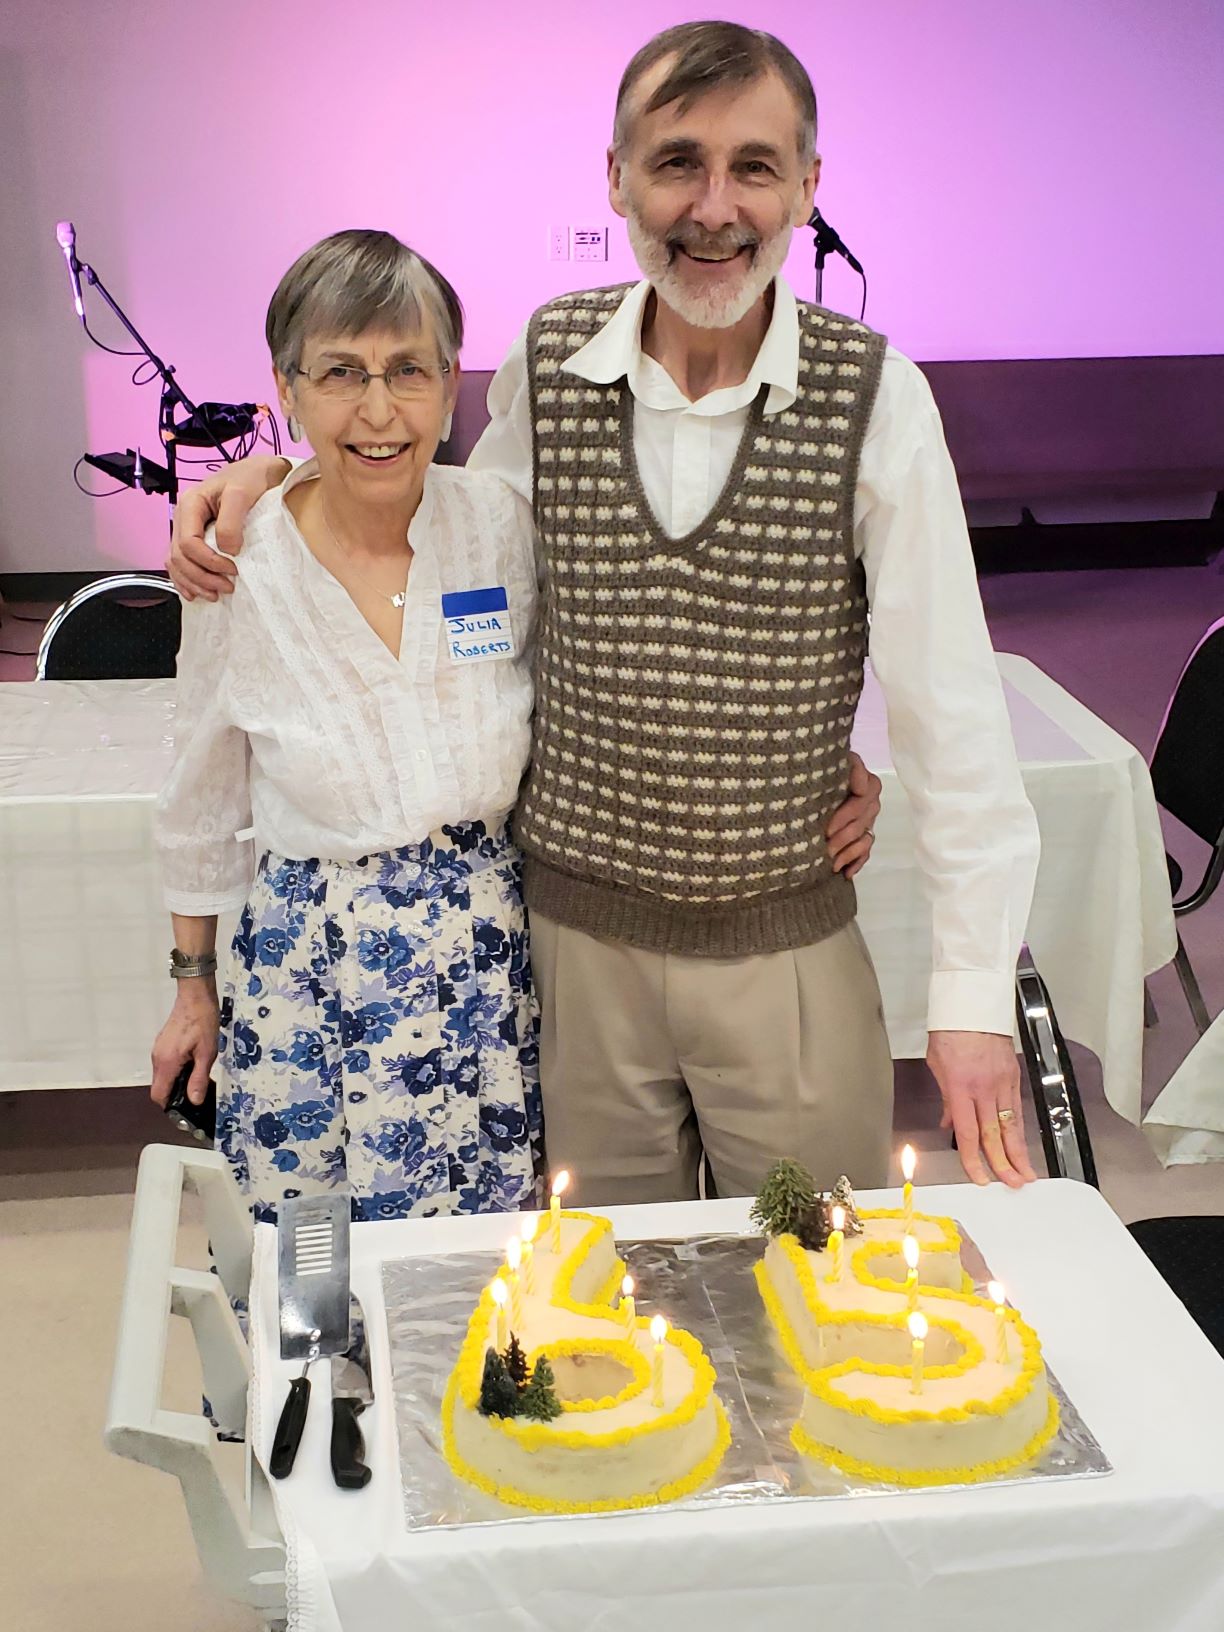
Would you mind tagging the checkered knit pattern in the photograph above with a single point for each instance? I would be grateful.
(694, 696)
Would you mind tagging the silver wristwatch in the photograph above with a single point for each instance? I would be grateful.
(188, 965)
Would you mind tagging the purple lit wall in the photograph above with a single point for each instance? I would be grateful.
(1020, 180)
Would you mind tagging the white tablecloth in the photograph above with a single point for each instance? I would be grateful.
(83, 984)
(1101, 918)
(1137, 1551)
(1186, 1124)
(83, 987)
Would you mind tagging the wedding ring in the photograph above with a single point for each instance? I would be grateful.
(1007, 1116)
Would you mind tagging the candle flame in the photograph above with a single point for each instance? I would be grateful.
(908, 1163)
(918, 1326)
(561, 1183)
(995, 1288)
(627, 1287)
(658, 1328)
(499, 1290)
(839, 1218)
(514, 1252)
(910, 1249)
(530, 1225)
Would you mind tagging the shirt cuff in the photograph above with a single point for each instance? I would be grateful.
(187, 904)
(972, 1000)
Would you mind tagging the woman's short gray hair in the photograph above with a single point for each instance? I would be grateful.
(359, 280)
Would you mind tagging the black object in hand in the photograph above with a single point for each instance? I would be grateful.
(199, 1120)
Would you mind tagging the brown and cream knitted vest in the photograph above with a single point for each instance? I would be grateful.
(694, 696)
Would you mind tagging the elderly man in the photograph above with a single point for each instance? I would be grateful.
(724, 481)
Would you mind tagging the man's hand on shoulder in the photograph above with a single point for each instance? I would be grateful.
(979, 1079)
(226, 498)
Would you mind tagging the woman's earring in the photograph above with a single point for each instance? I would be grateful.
(447, 426)
(294, 429)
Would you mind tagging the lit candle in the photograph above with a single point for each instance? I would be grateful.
(908, 1163)
(997, 1298)
(530, 1225)
(910, 1249)
(835, 1243)
(500, 1294)
(559, 1186)
(628, 1307)
(658, 1331)
(514, 1261)
(918, 1331)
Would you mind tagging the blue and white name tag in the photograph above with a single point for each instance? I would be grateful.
(478, 625)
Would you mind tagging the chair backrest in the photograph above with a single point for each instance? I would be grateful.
(239, 1543)
(125, 627)
(1188, 765)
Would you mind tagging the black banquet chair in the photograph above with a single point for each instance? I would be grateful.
(1188, 780)
(125, 627)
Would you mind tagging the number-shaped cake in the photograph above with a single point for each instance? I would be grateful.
(971, 1404)
(620, 1433)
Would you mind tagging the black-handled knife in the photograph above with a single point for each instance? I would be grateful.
(348, 1444)
(351, 1393)
(290, 1427)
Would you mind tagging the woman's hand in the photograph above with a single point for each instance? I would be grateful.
(225, 497)
(850, 833)
(189, 1034)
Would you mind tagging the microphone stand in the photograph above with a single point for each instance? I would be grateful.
(826, 242)
(172, 393)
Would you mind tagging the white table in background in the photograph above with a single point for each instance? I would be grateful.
(1101, 918)
(1186, 1124)
(1138, 1550)
(83, 984)
(83, 987)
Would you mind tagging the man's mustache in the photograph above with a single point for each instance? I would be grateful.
(713, 245)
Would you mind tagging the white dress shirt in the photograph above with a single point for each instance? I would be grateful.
(947, 720)
(297, 727)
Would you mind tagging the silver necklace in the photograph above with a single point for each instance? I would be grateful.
(398, 600)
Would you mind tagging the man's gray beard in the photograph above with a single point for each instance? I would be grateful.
(721, 309)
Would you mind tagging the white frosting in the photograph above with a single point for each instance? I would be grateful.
(843, 1414)
(543, 1460)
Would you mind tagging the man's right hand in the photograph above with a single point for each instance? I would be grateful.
(225, 498)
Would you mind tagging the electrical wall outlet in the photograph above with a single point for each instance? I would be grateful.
(589, 243)
(558, 244)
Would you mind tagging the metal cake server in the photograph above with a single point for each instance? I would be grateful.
(313, 1286)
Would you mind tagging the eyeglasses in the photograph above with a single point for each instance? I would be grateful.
(346, 382)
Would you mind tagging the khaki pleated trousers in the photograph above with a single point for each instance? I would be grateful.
(649, 1059)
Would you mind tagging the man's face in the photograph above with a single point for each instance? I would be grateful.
(712, 195)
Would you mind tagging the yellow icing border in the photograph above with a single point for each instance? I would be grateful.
(620, 1350)
(969, 1475)
(464, 1384)
(673, 1492)
(820, 1380)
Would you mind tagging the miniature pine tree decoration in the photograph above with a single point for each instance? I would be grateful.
(784, 1200)
(539, 1399)
(516, 1363)
(499, 1397)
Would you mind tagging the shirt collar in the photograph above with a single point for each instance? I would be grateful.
(616, 353)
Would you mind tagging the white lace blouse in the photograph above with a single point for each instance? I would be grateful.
(297, 731)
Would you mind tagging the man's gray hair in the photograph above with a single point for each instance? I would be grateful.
(359, 280)
(709, 57)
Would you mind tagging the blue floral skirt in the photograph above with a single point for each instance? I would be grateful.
(379, 1032)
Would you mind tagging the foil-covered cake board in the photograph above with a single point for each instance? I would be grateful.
(705, 1285)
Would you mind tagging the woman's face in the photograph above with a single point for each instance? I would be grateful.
(375, 438)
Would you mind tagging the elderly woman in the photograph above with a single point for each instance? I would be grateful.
(357, 717)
